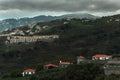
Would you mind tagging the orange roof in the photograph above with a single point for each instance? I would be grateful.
(64, 62)
(101, 55)
(29, 70)
(82, 57)
(49, 65)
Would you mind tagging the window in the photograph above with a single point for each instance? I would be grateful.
(30, 73)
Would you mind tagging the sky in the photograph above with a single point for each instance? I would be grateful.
(31, 8)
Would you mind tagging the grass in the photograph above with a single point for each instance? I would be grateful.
(19, 78)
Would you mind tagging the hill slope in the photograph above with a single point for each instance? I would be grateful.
(77, 37)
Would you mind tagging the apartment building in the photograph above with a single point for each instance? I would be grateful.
(29, 39)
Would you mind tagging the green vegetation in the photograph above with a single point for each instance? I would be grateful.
(112, 77)
(78, 37)
(73, 72)
(17, 78)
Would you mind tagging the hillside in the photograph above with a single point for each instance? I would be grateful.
(12, 23)
(77, 37)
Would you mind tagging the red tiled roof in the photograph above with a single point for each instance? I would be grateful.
(65, 63)
(49, 65)
(82, 57)
(101, 55)
(29, 70)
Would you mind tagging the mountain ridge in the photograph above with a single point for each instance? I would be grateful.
(12, 22)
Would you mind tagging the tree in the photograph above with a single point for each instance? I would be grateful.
(39, 68)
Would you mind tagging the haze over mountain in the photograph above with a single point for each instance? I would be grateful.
(12, 23)
(30, 8)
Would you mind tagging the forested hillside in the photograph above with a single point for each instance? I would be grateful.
(77, 37)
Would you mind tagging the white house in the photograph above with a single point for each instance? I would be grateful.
(28, 72)
(64, 64)
(101, 57)
(80, 59)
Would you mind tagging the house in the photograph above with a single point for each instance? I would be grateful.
(28, 72)
(50, 66)
(64, 64)
(101, 57)
(112, 67)
(81, 59)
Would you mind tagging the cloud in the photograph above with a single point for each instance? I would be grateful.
(30, 8)
(61, 5)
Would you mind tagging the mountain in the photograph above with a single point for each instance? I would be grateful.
(82, 15)
(12, 23)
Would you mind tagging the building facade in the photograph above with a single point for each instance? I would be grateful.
(101, 57)
(29, 39)
(28, 72)
(64, 64)
(112, 67)
(81, 59)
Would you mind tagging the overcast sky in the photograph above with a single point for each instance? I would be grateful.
(31, 8)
